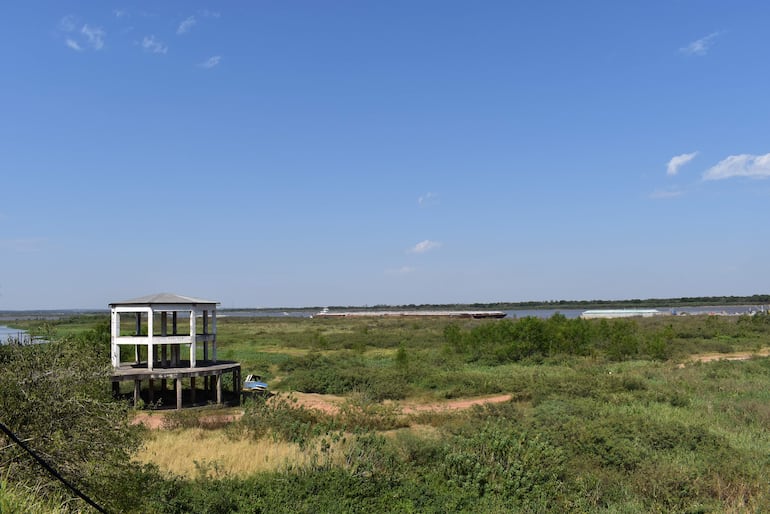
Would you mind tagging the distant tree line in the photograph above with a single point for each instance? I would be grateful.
(685, 301)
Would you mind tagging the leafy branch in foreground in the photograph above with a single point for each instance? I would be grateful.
(56, 398)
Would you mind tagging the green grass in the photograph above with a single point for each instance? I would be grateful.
(604, 418)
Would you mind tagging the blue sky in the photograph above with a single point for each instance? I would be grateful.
(274, 153)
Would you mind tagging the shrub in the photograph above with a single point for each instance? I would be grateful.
(520, 467)
(57, 397)
(283, 419)
(359, 413)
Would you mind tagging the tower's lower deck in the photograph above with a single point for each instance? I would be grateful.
(153, 384)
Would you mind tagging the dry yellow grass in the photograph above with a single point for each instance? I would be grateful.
(178, 451)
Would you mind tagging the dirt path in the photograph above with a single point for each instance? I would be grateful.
(331, 404)
(452, 405)
(734, 356)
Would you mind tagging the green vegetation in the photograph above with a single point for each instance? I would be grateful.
(56, 398)
(606, 416)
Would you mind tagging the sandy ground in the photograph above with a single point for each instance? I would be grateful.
(331, 404)
(735, 356)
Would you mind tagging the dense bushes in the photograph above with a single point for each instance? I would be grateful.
(346, 373)
(56, 397)
(533, 339)
(518, 467)
(515, 340)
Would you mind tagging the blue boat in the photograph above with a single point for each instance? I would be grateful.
(255, 384)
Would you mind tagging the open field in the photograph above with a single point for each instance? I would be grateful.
(653, 415)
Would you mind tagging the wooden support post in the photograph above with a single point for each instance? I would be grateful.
(178, 394)
(219, 388)
(237, 384)
(137, 391)
(192, 390)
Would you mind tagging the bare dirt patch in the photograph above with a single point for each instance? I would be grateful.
(451, 405)
(328, 404)
(331, 404)
(733, 356)
(150, 420)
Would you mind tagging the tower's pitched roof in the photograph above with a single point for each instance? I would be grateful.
(164, 298)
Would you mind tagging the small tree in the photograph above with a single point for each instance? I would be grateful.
(56, 398)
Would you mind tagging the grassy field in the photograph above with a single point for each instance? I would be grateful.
(605, 416)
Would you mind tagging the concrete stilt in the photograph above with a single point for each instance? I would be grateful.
(178, 393)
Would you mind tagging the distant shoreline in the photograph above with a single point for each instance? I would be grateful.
(699, 301)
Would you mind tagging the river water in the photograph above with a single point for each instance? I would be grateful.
(518, 313)
(7, 332)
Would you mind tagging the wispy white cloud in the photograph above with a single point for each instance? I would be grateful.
(666, 194)
(427, 199)
(403, 270)
(94, 36)
(744, 165)
(700, 46)
(86, 37)
(152, 45)
(209, 14)
(424, 246)
(120, 13)
(678, 161)
(68, 23)
(186, 25)
(210, 62)
(73, 44)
